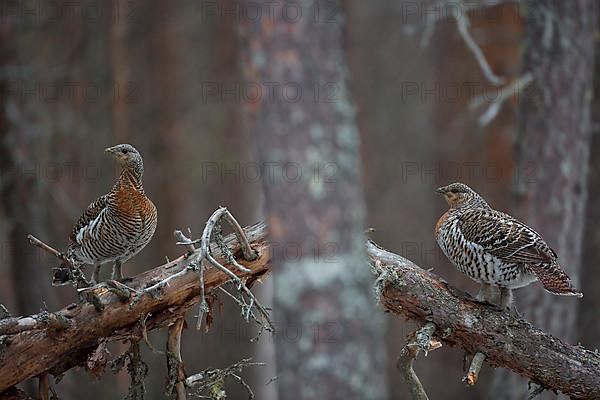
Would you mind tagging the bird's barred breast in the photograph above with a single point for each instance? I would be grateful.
(118, 233)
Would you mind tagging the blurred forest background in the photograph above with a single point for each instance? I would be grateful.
(169, 78)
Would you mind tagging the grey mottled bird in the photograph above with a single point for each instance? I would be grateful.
(495, 249)
(117, 225)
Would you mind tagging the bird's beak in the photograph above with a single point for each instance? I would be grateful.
(440, 190)
(109, 150)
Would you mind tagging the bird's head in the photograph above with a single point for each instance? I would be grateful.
(458, 194)
(126, 155)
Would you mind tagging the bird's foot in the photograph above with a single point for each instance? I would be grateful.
(493, 306)
(512, 310)
(122, 291)
(480, 298)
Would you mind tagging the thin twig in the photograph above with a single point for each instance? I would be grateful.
(423, 342)
(474, 369)
(48, 249)
(462, 23)
(247, 250)
(213, 380)
(247, 313)
(242, 286)
(157, 287)
(513, 89)
(183, 240)
(145, 335)
(68, 272)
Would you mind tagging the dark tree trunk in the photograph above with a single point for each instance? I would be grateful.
(331, 339)
(553, 151)
(21, 180)
(589, 328)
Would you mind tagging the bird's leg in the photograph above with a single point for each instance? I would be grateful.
(506, 299)
(117, 274)
(487, 294)
(96, 274)
(481, 295)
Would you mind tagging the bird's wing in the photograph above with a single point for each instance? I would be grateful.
(90, 218)
(505, 237)
(514, 242)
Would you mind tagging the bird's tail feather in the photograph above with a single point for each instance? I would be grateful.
(554, 279)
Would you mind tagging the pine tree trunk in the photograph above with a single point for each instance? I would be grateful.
(21, 179)
(589, 328)
(331, 340)
(553, 151)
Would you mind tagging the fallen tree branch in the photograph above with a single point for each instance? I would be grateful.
(46, 350)
(507, 340)
(403, 288)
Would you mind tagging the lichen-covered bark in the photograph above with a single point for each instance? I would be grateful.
(331, 342)
(507, 340)
(553, 150)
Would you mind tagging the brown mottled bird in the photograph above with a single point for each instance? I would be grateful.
(119, 224)
(495, 249)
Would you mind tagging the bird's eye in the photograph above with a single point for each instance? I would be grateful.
(124, 151)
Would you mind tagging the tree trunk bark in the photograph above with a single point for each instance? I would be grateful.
(308, 149)
(588, 326)
(553, 150)
(22, 178)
